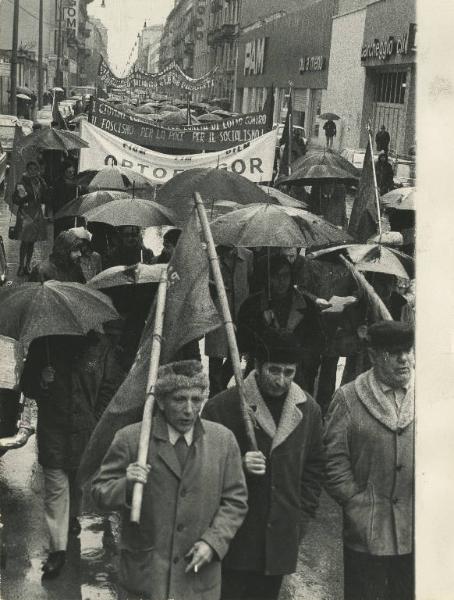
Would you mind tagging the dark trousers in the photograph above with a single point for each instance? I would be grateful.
(312, 362)
(249, 585)
(368, 577)
(220, 373)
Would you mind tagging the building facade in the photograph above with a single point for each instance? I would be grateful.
(373, 72)
(148, 40)
(97, 44)
(285, 47)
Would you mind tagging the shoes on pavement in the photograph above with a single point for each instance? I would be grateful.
(74, 527)
(54, 564)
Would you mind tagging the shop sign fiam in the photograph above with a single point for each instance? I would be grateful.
(385, 48)
(71, 17)
(254, 58)
(312, 63)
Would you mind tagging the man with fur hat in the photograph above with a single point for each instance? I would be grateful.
(63, 263)
(284, 476)
(369, 443)
(194, 493)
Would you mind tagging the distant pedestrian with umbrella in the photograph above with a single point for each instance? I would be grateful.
(31, 227)
(382, 140)
(63, 263)
(330, 130)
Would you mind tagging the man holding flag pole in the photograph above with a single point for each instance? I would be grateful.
(180, 477)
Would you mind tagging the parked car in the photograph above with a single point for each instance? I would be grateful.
(404, 168)
(8, 124)
(356, 156)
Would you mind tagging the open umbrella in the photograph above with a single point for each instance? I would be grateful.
(322, 166)
(49, 138)
(284, 199)
(113, 178)
(23, 97)
(374, 258)
(213, 185)
(34, 310)
(178, 118)
(166, 107)
(131, 211)
(23, 89)
(257, 225)
(146, 109)
(221, 113)
(328, 116)
(209, 118)
(82, 204)
(127, 275)
(400, 199)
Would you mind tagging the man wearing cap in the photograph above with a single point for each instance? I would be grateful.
(369, 443)
(194, 493)
(284, 477)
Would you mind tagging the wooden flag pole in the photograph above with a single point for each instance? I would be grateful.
(372, 295)
(377, 193)
(227, 319)
(145, 431)
(290, 127)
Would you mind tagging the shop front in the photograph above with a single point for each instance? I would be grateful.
(290, 50)
(388, 55)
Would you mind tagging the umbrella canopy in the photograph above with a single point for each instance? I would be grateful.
(178, 118)
(131, 211)
(221, 113)
(166, 107)
(328, 116)
(113, 178)
(400, 199)
(82, 204)
(34, 310)
(80, 117)
(146, 109)
(50, 138)
(127, 275)
(318, 232)
(257, 225)
(23, 96)
(284, 199)
(322, 166)
(209, 118)
(213, 185)
(23, 89)
(375, 258)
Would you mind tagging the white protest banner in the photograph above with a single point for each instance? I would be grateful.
(253, 160)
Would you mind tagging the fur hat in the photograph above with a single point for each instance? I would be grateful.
(391, 336)
(182, 374)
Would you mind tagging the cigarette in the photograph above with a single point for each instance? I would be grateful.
(196, 568)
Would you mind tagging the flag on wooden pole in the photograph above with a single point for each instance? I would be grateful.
(189, 315)
(365, 219)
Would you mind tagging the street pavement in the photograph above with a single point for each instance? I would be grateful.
(91, 569)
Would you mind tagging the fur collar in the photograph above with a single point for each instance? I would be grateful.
(379, 405)
(291, 414)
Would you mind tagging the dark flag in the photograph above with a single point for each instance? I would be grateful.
(364, 217)
(57, 118)
(189, 314)
(284, 166)
(268, 108)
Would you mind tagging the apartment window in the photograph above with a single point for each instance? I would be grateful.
(390, 87)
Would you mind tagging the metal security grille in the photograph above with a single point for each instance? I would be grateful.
(388, 106)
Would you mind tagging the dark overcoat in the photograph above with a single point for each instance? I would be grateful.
(281, 501)
(204, 501)
(87, 374)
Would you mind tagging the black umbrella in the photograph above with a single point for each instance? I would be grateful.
(322, 166)
(328, 116)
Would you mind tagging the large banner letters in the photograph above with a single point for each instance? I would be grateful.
(254, 160)
(210, 137)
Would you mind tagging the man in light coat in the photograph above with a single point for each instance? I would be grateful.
(284, 476)
(369, 443)
(194, 496)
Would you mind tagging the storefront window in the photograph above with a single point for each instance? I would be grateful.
(390, 87)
